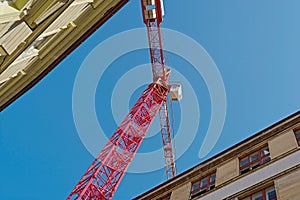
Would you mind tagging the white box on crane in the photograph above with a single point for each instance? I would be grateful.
(150, 14)
(175, 92)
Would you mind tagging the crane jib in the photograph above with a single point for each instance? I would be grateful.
(104, 175)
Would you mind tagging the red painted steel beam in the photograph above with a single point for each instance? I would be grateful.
(155, 40)
(104, 175)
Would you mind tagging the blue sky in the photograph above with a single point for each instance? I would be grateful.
(255, 45)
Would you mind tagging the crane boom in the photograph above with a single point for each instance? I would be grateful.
(105, 173)
(153, 12)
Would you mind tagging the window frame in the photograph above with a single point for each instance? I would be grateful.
(201, 189)
(261, 158)
(264, 193)
(297, 135)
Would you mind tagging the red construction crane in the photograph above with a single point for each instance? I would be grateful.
(104, 175)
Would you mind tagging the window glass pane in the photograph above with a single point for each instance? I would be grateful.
(195, 186)
(204, 182)
(257, 196)
(270, 193)
(212, 178)
(244, 162)
(254, 157)
(265, 151)
(298, 137)
(266, 159)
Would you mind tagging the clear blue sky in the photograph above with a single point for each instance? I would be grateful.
(255, 45)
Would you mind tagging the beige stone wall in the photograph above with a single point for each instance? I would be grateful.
(288, 187)
(182, 193)
(282, 144)
(227, 171)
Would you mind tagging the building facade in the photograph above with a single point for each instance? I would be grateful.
(36, 35)
(265, 166)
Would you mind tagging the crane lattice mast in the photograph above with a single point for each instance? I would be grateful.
(104, 175)
(153, 12)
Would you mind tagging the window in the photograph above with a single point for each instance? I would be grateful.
(254, 160)
(265, 194)
(297, 134)
(203, 185)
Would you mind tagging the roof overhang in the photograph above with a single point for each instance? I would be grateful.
(36, 35)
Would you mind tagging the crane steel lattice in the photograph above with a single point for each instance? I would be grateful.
(105, 173)
(153, 12)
